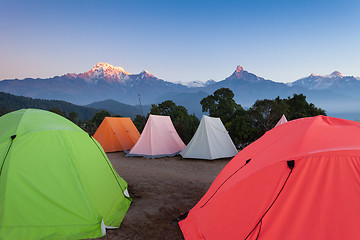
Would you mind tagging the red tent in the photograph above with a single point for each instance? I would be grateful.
(301, 180)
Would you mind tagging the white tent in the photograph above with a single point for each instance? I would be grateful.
(210, 141)
(282, 120)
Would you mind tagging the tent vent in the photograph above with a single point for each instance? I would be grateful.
(180, 218)
(247, 161)
(291, 164)
(2, 165)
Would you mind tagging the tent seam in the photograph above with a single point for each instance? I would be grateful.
(207, 140)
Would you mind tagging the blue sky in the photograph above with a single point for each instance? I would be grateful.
(180, 40)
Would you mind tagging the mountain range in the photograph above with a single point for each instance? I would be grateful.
(334, 92)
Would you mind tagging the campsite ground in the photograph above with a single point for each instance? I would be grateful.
(161, 189)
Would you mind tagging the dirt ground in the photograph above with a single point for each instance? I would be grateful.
(161, 189)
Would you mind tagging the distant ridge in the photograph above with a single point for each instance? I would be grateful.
(11, 102)
(333, 81)
(118, 108)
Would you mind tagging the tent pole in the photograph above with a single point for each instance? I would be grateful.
(142, 114)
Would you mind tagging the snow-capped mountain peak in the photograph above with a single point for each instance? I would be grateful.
(146, 74)
(320, 82)
(335, 74)
(104, 71)
(241, 74)
(195, 84)
(107, 69)
(107, 72)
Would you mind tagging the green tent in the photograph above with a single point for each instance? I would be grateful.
(55, 180)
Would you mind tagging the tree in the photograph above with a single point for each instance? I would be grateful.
(300, 108)
(140, 122)
(167, 108)
(240, 128)
(266, 113)
(57, 111)
(99, 117)
(247, 126)
(3, 111)
(220, 104)
(73, 117)
(89, 127)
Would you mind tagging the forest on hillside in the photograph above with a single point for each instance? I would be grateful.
(10, 102)
(244, 125)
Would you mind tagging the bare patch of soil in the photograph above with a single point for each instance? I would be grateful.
(161, 189)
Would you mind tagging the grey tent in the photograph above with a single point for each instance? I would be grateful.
(211, 141)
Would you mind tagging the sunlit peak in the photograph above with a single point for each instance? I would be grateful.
(336, 74)
(105, 67)
(146, 74)
(239, 68)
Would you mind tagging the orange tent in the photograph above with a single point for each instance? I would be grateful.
(301, 180)
(117, 134)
